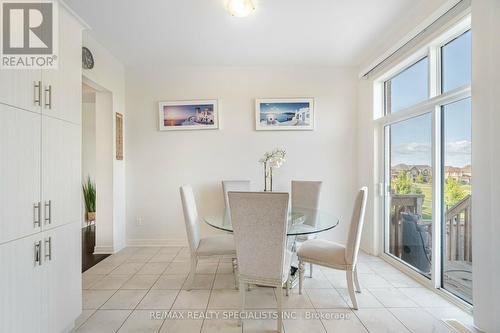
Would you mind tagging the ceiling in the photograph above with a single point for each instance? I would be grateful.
(279, 32)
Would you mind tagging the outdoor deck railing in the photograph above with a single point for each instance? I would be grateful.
(459, 231)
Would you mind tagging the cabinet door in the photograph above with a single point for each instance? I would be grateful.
(21, 88)
(62, 87)
(61, 172)
(62, 282)
(19, 172)
(20, 286)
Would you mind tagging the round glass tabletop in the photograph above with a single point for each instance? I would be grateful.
(300, 222)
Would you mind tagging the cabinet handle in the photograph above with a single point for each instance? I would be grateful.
(38, 92)
(36, 215)
(48, 253)
(48, 217)
(48, 100)
(38, 254)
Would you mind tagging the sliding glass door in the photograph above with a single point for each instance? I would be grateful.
(427, 164)
(409, 175)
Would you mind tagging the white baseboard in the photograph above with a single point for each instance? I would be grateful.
(104, 250)
(156, 242)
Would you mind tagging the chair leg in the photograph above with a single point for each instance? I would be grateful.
(280, 309)
(350, 286)
(235, 273)
(194, 262)
(310, 270)
(301, 276)
(242, 301)
(356, 282)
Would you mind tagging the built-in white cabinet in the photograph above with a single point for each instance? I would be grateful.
(58, 100)
(40, 191)
(61, 172)
(20, 156)
(21, 285)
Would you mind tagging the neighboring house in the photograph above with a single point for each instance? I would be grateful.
(413, 170)
(462, 175)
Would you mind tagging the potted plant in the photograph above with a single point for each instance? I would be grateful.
(89, 196)
(271, 160)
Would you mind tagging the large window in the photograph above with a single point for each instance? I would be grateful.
(427, 163)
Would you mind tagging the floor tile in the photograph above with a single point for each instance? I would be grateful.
(153, 268)
(325, 298)
(170, 250)
(371, 281)
(124, 300)
(112, 282)
(104, 321)
(294, 300)
(341, 321)
(141, 321)
(94, 299)
(425, 297)
(82, 318)
(303, 321)
(380, 321)
(127, 268)
(419, 320)
(260, 298)
(140, 282)
(206, 268)
(260, 326)
(201, 281)
(182, 325)
(158, 299)
(194, 299)
(170, 282)
(162, 257)
(225, 268)
(451, 312)
(224, 281)
(178, 268)
(224, 299)
(89, 279)
(365, 299)
(392, 298)
(221, 324)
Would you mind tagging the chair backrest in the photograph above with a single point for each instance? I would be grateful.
(235, 186)
(190, 216)
(305, 198)
(260, 226)
(356, 228)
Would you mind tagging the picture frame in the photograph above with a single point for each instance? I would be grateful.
(188, 115)
(284, 114)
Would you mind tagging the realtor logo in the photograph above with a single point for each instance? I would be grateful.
(29, 34)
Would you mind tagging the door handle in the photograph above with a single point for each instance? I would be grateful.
(37, 85)
(48, 96)
(48, 217)
(48, 252)
(36, 215)
(38, 254)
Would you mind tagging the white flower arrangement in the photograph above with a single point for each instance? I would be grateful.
(272, 160)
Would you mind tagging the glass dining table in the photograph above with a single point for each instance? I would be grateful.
(302, 222)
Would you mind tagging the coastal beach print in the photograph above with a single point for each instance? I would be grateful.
(284, 114)
(183, 115)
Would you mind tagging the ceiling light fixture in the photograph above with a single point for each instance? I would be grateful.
(240, 8)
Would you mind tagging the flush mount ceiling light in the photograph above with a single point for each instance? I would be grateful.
(240, 8)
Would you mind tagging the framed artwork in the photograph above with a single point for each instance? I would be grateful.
(188, 115)
(284, 114)
(119, 136)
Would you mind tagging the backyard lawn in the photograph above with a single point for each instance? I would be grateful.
(427, 191)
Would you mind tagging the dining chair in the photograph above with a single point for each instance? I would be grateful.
(333, 255)
(260, 226)
(305, 200)
(233, 185)
(220, 246)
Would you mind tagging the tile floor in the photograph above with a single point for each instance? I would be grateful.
(124, 291)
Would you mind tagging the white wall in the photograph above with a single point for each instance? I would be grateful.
(486, 163)
(108, 77)
(159, 162)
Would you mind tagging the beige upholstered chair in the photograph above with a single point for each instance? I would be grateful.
(233, 185)
(337, 256)
(221, 246)
(260, 225)
(305, 199)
